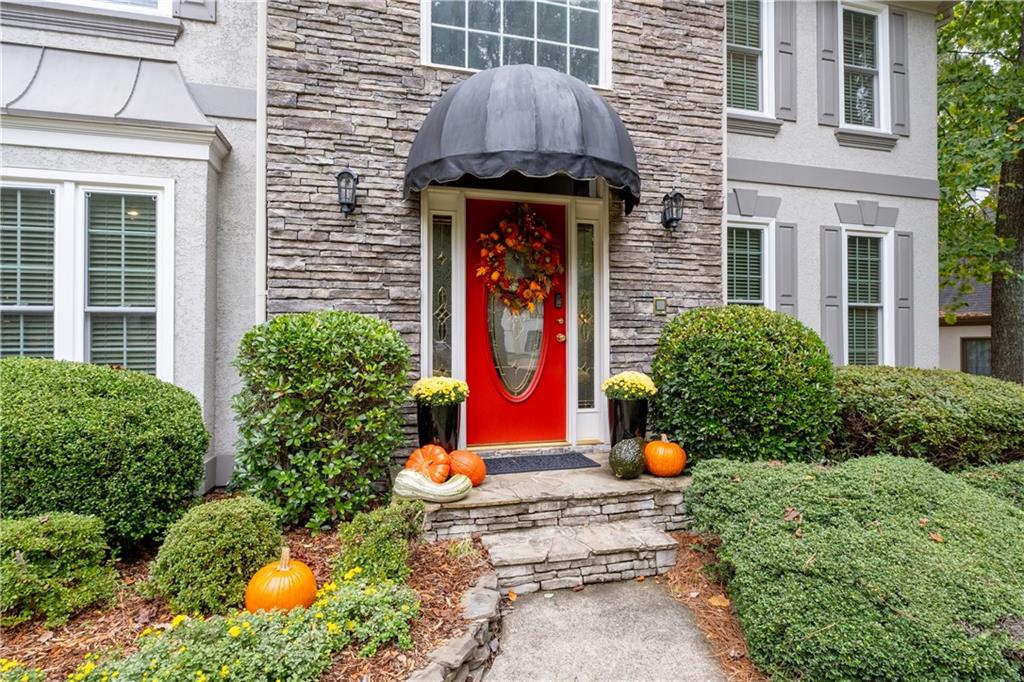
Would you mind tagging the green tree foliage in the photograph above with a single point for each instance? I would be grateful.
(981, 145)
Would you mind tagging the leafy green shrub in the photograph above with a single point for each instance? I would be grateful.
(15, 671)
(211, 553)
(52, 566)
(376, 544)
(319, 412)
(745, 383)
(291, 647)
(953, 420)
(120, 445)
(882, 568)
(1003, 480)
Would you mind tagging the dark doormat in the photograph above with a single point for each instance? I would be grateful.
(517, 464)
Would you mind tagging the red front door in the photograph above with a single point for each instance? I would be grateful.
(515, 364)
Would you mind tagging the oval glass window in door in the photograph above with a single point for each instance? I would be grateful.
(516, 342)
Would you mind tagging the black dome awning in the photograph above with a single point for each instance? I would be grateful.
(529, 119)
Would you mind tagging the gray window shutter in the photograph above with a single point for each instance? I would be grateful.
(197, 10)
(828, 62)
(785, 60)
(898, 70)
(904, 281)
(785, 268)
(832, 291)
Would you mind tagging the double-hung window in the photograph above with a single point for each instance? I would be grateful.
(571, 36)
(86, 273)
(864, 298)
(865, 79)
(976, 355)
(748, 71)
(748, 262)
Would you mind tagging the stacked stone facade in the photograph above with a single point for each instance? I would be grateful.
(346, 89)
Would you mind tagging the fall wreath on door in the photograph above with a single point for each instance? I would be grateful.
(518, 261)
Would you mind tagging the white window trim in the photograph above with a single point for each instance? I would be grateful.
(884, 87)
(604, 48)
(767, 227)
(766, 68)
(887, 356)
(583, 426)
(69, 258)
(163, 7)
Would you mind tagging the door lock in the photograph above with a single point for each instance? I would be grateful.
(560, 338)
(560, 320)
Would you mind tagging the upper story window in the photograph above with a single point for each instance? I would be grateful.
(865, 78)
(571, 36)
(747, 33)
(79, 275)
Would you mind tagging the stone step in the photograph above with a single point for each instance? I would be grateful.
(556, 557)
(572, 497)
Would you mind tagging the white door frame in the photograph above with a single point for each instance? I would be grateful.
(586, 426)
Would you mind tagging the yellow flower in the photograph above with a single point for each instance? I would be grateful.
(235, 631)
(224, 671)
(178, 620)
(200, 676)
(320, 615)
(351, 625)
(629, 386)
(405, 608)
(332, 627)
(370, 591)
(246, 625)
(440, 391)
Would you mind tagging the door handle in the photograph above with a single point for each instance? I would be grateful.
(560, 338)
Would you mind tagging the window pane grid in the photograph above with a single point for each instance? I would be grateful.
(745, 266)
(743, 61)
(864, 299)
(862, 336)
(743, 23)
(977, 356)
(860, 68)
(124, 340)
(26, 271)
(481, 34)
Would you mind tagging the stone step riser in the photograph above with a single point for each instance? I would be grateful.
(662, 510)
(597, 568)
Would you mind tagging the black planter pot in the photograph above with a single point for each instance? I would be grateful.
(627, 419)
(438, 425)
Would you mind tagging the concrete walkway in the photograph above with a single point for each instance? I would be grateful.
(614, 631)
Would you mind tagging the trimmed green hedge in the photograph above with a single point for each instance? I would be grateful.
(953, 420)
(120, 445)
(211, 553)
(319, 412)
(882, 568)
(375, 545)
(52, 566)
(743, 382)
(1004, 480)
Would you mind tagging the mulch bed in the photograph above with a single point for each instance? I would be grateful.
(438, 578)
(706, 597)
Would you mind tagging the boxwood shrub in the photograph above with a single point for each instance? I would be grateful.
(953, 420)
(211, 552)
(1004, 480)
(52, 566)
(120, 445)
(743, 382)
(376, 544)
(318, 413)
(882, 568)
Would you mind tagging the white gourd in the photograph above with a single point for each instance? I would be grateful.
(416, 486)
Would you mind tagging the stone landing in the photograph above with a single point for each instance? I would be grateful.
(548, 530)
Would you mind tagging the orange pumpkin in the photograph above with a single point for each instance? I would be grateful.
(431, 461)
(283, 584)
(468, 464)
(664, 458)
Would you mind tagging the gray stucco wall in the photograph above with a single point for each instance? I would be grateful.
(215, 213)
(346, 88)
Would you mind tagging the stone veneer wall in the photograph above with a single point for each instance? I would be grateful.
(346, 88)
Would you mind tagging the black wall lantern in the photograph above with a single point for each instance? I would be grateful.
(347, 182)
(672, 210)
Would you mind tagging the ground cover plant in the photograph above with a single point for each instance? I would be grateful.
(52, 566)
(318, 413)
(211, 552)
(120, 445)
(745, 383)
(952, 419)
(1003, 480)
(881, 568)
